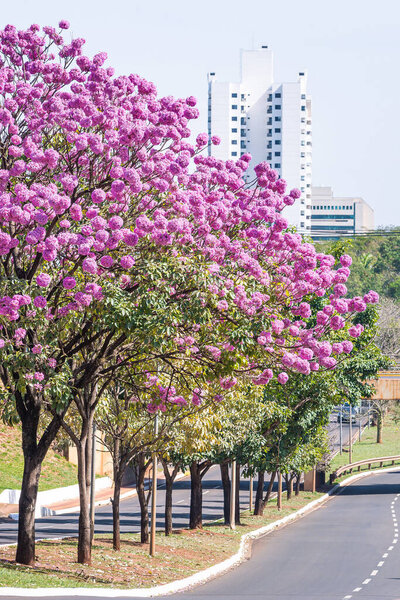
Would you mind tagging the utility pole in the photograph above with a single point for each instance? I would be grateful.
(350, 434)
(154, 495)
(369, 412)
(232, 521)
(279, 502)
(341, 429)
(359, 426)
(251, 493)
(93, 479)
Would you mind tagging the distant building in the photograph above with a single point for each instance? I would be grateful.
(270, 120)
(333, 217)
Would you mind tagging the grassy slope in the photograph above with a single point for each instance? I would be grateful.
(56, 471)
(368, 448)
(177, 556)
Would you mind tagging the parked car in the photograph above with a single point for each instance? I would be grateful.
(346, 415)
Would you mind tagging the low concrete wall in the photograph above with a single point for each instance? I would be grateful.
(52, 496)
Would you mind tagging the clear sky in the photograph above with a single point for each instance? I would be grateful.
(351, 49)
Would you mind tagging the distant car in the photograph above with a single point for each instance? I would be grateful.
(346, 415)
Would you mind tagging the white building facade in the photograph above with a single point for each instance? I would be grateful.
(269, 120)
(333, 217)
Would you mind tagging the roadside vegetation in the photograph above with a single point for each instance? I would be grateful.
(368, 446)
(177, 556)
(56, 472)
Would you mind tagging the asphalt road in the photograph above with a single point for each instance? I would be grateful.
(62, 525)
(347, 549)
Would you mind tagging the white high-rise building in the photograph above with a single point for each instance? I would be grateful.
(269, 120)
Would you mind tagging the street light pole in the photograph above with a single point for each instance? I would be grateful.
(369, 412)
(350, 434)
(341, 429)
(279, 503)
(154, 495)
(232, 523)
(93, 480)
(251, 493)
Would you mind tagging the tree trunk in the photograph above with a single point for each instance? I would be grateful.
(143, 499)
(289, 488)
(379, 428)
(27, 505)
(196, 497)
(297, 488)
(237, 495)
(259, 504)
(84, 527)
(169, 482)
(115, 510)
(34, 451)
(226, 486)
(270, 486)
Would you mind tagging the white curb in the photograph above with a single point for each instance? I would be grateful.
(202, 576)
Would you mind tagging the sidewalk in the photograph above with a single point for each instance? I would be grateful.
(102, 498)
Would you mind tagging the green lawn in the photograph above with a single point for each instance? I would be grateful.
(368, 448)
(56, 471)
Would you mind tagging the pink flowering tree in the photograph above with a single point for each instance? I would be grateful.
(113, 249)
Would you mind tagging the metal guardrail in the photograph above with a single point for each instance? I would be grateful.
(357, 465)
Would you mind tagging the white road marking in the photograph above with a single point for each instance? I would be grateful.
(390, 548)
(206, 492)
(366, 581)
(373, 573)
(180, 501)
(380, 563)
(356, 589)
(394, 541)
(385, 555)
(346, 597)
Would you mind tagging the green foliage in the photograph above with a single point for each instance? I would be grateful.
(376, 263)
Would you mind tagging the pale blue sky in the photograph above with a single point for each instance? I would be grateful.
(351, 49)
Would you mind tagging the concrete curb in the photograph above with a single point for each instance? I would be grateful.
(202, 576)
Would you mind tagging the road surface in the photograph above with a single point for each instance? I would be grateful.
(347, 549)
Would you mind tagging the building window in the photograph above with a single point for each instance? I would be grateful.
(302, 213)
(234, 129)
(269, 98)
(278, 107)
(302, 224)
(243, 97)
(302, 178)
(243, 132)
(277, 130)
(233, 153)
(303, 107)
(234, 118)
(234, 95)
(278, 95)
(243, 120)
(277, 153)
(303, 96)
(234, 106)
(243, 144)
(277, 142)
(277, 165)
(234, 142)
(278, 119)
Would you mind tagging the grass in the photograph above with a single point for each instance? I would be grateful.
(177, 556)
(368, 448)
(56, 471)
